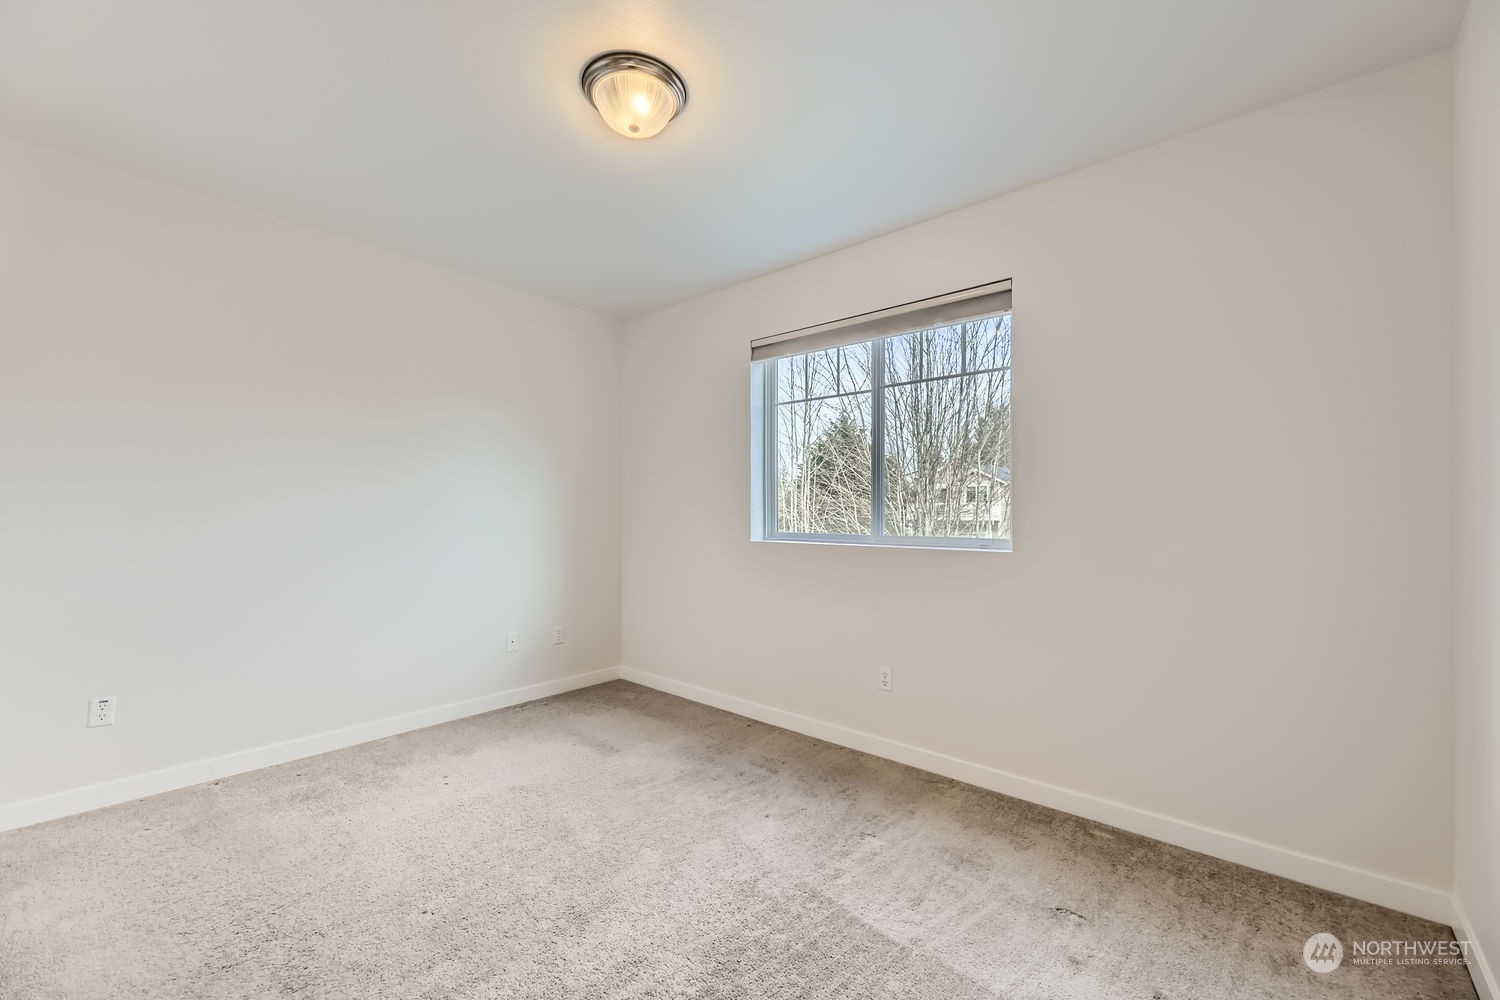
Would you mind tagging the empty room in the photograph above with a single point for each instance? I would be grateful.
(746, 501)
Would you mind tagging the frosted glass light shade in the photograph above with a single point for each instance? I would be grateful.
(634, 104)
(635, 94)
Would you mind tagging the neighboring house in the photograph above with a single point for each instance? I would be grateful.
(977, 502)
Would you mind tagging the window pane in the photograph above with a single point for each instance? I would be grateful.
(823, 373)
(947, 461)
(925, 354)
(823, 466)
(987, 343)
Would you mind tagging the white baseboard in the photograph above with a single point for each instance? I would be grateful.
(1479, 966)
(107, 793)
(1408, 897)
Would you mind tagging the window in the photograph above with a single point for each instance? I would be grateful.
(891, 428)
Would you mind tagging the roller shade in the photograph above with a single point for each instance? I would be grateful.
(923, 314)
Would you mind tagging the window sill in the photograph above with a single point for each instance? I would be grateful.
(924, 544)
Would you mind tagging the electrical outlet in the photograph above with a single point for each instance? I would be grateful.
(101, 712)
(512, 641)
(557, 638)
(885, 679)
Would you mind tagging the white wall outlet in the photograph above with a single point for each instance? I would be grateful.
(101, 711)
(512, 641)
(885, 679)
(557, 638)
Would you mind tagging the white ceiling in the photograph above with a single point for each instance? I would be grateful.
(454, 130)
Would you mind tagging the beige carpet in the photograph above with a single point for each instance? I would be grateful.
(618, 842)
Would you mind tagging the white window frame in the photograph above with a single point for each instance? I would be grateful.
(763, 452)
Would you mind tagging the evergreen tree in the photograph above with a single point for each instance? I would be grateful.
(837, 472)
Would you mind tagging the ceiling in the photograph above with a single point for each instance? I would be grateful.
(454, 130)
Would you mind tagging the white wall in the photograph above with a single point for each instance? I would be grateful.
(260, 482)
(1230, 599)
(1477, 867)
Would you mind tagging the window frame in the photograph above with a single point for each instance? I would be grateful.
(764, 476)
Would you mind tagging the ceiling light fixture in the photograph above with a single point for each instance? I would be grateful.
(635, 94)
